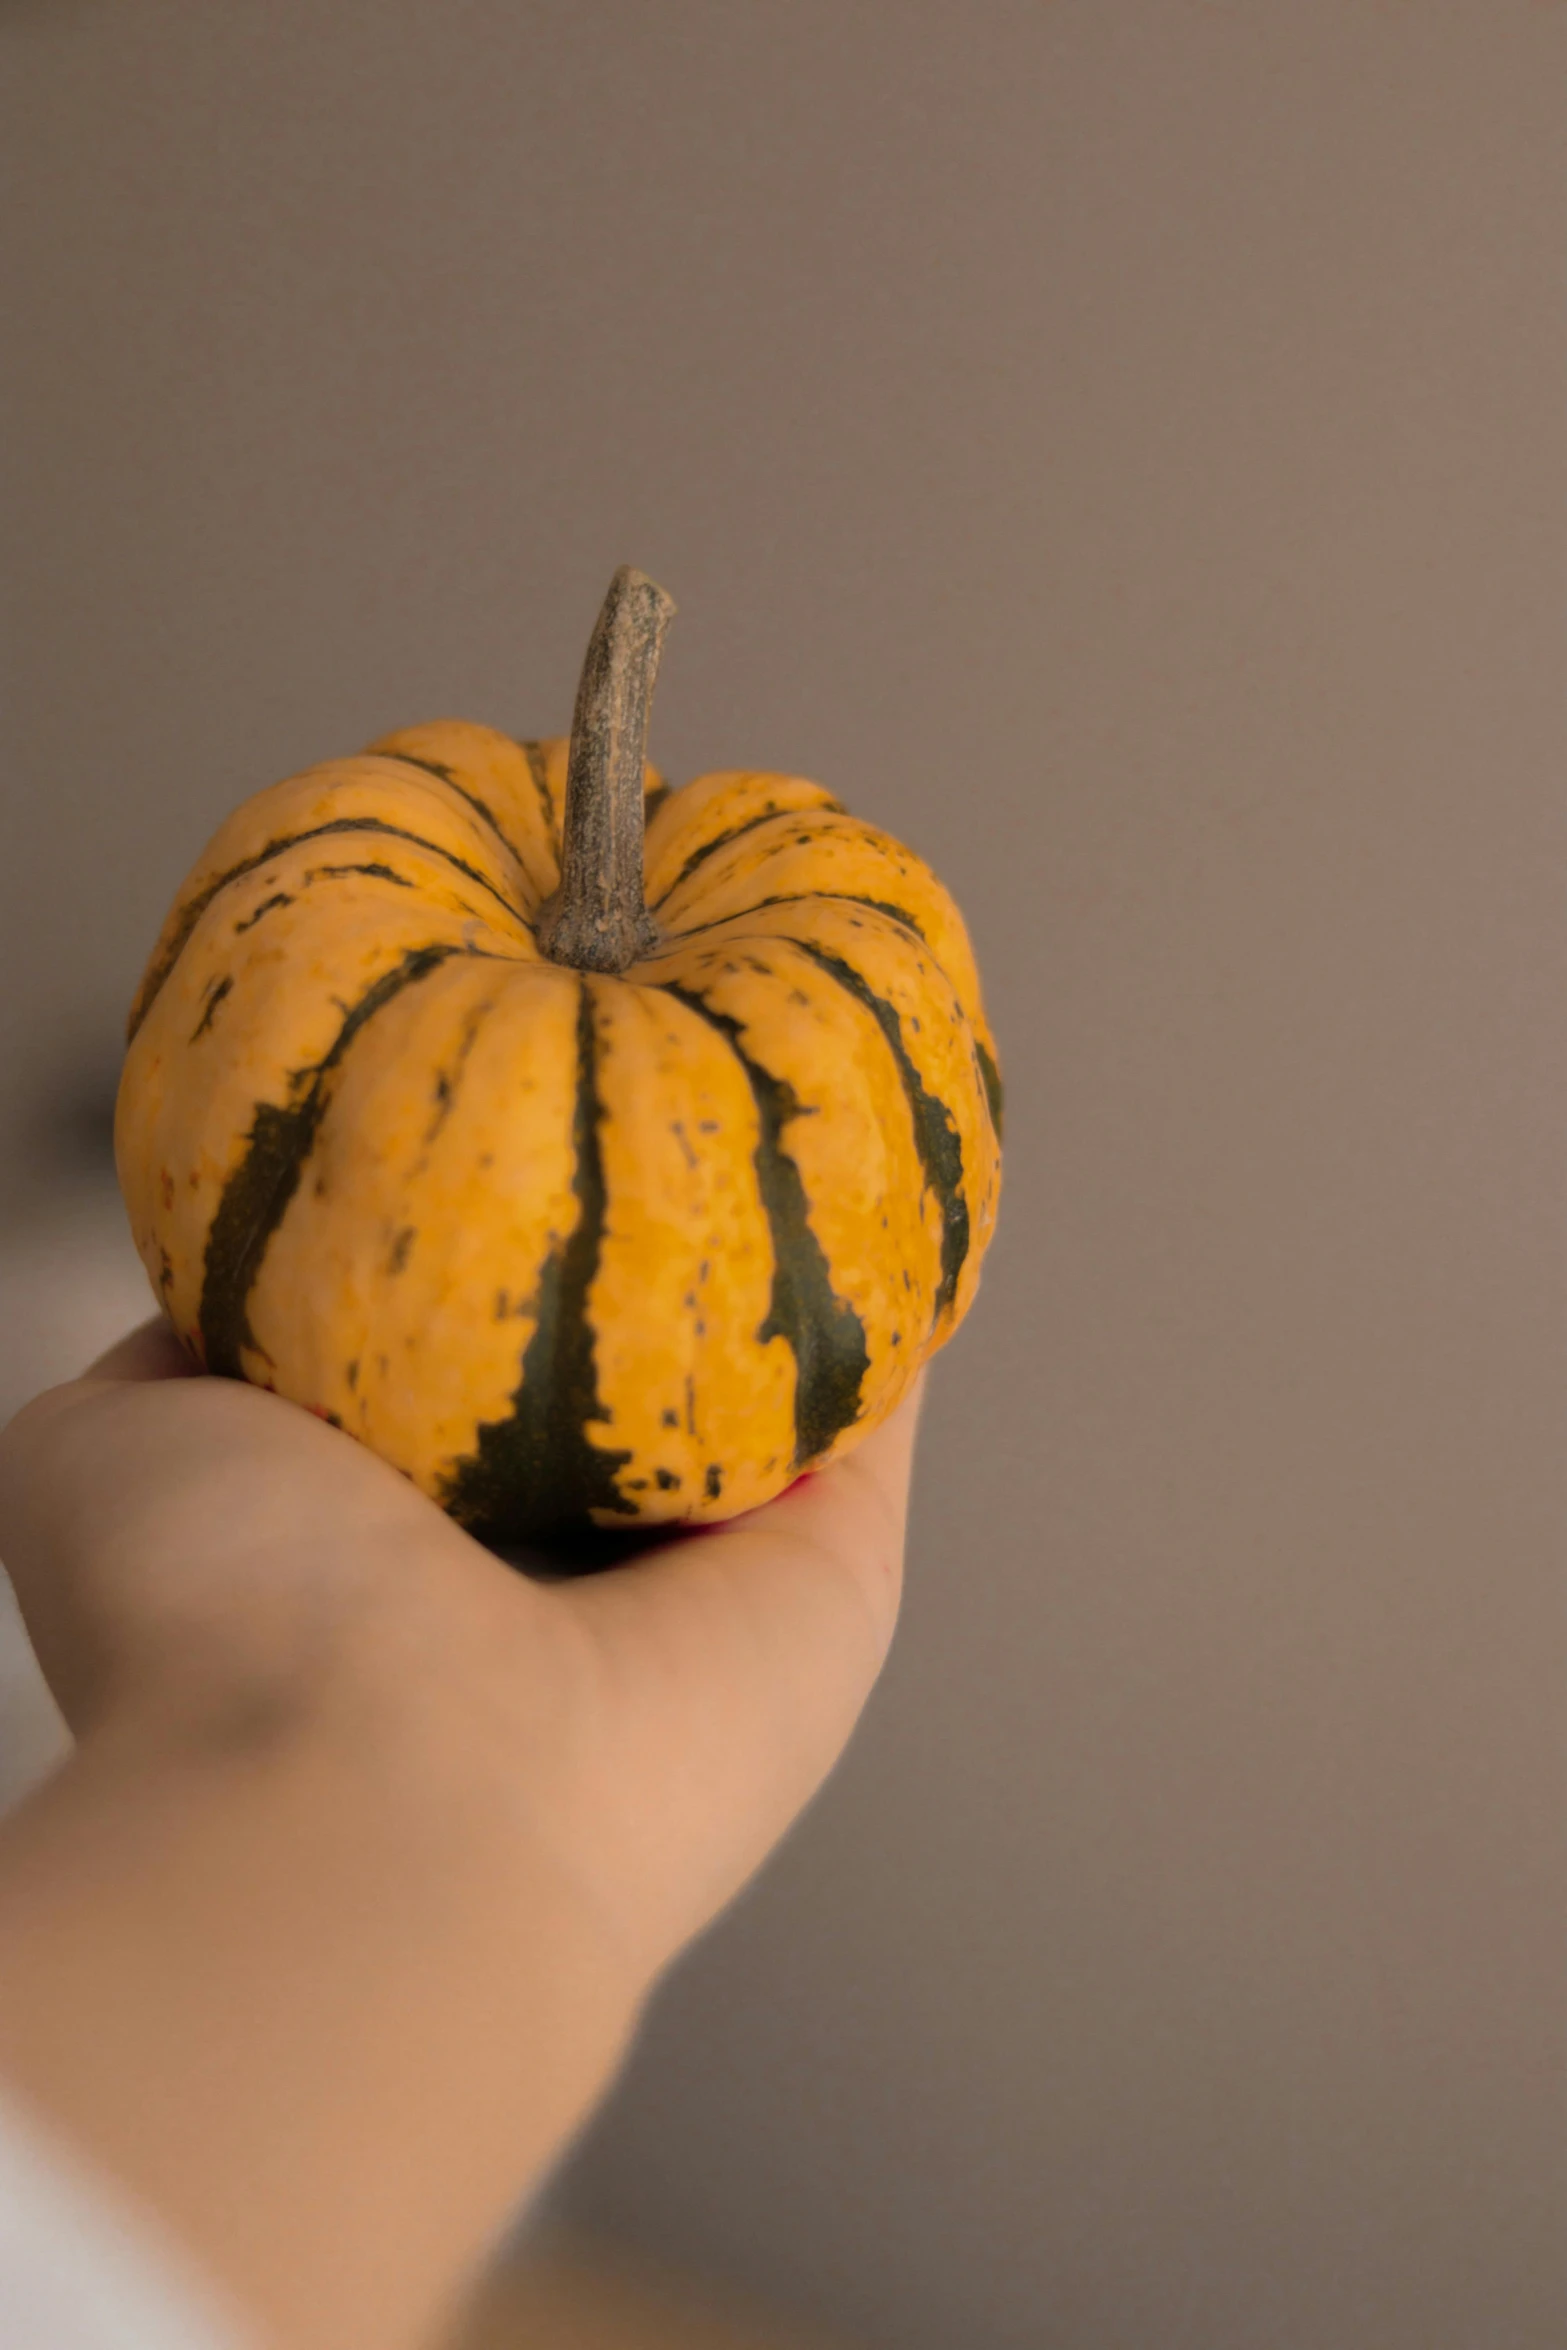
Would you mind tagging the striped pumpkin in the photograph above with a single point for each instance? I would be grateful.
(565, 1236)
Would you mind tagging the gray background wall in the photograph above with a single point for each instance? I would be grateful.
(1119, 443)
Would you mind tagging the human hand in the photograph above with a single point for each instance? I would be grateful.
(320, 1716)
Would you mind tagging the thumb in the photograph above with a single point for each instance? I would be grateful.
(732, 1668)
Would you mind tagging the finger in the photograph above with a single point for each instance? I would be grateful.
(150, 1351)
(151, 1522)
(734, 1666)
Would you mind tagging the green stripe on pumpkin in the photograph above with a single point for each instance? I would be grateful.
(256, 1196)
(445, 775)
(536, 1475)
(804, 897)
(990, 1078)
(721, 840)
(824, 1333)
(197, 906)
(935, 1129)
(534, 754)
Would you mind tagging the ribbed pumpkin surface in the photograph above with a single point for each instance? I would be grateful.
(561, 1245)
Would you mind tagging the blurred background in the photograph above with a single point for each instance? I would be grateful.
(1120, 446)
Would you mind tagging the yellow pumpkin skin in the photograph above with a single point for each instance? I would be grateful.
(563, 1246)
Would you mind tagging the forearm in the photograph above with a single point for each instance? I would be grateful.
(310, 1984)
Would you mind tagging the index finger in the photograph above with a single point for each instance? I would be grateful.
(150, 1351)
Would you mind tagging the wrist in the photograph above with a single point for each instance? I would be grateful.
(351, 1962)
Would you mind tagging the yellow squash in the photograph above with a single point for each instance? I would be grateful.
(584, 1177)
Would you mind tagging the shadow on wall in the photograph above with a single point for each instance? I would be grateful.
(70, 1285)
(70, 1280)
(564, 2291)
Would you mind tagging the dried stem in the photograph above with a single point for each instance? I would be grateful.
(598, 919)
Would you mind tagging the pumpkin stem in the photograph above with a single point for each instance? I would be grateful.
(598, 919)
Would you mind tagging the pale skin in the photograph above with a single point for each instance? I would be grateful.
(340, 1917)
